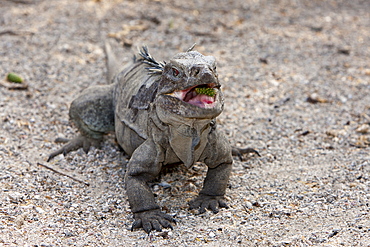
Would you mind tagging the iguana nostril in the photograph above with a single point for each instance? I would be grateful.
(195, 71)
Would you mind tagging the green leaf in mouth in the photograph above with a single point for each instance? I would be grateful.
(206, 91)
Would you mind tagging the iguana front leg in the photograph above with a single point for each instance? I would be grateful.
(212, 196)
(144, 165)
(218, 158)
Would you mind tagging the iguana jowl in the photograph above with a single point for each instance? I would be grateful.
(158, 118)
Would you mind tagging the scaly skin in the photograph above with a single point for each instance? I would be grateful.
(158, 119)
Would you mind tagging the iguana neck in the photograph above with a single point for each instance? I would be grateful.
(187, 136)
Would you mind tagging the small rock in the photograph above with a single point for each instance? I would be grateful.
(248, 205)
(39, 210)
(315, 98)
(164, 235)
(363, 129)
(165, 185)
(68, 233)
(344, 51)
(181, 215)
(19, 221)
(286, 242)
(156, 188)
(190, 187)
(334, 232)
(316, 28)
(263, 60)
(15, 196)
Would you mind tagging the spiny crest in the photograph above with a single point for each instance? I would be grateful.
(155, 67)
(191, 47)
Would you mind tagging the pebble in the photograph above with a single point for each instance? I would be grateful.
(363, 129)
(165, 185)
(39, 210)
(191, 187)
(19, 221)
(156, 188)
(15, 196)
(248, 205)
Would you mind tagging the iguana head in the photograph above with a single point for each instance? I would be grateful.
(186, 72)
(188, 84)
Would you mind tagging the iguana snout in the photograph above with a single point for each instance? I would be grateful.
(203, 96)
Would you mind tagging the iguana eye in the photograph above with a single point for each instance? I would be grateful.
(175, 72)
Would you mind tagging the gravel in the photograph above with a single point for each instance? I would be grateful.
(296, 78)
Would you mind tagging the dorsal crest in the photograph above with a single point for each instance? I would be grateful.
(155, 67)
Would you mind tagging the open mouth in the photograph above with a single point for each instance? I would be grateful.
(203, 96)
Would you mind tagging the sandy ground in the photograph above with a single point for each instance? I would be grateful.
(295, 76)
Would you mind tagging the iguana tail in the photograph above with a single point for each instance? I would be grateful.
(112, 64)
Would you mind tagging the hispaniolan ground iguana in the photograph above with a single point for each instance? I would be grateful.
(162, 113)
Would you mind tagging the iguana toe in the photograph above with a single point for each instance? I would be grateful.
(74, 144)
(152, 220)
(212, 203)
(240, 152)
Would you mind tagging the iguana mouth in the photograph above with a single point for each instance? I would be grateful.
(194, 97)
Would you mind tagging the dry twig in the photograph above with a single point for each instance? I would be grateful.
(61, 173)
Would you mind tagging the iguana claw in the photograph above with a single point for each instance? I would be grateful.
(204, 202)
(152, 220)
(78, 142)
(241, 151)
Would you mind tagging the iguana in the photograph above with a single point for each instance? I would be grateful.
(159, 118)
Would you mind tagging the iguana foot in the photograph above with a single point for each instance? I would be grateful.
(152, 220)
(241, 151)
(74, 144)
(204, 202)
